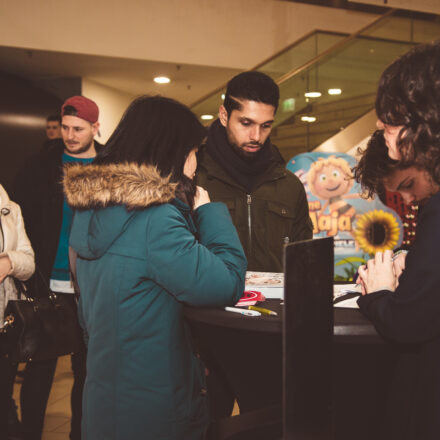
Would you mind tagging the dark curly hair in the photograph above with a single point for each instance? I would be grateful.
(374, 165)
(409, 95)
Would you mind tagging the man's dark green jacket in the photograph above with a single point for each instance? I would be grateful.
(272, 215)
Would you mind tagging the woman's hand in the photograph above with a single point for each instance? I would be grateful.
(5, 267)
(399, 265)
(201, 197)
(378, 274)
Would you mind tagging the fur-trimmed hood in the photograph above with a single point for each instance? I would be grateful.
(98, 186)
(123, 189)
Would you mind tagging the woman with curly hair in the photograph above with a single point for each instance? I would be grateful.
(405, 309)
(377, 172)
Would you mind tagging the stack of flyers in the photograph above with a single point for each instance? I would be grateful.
(270, 284)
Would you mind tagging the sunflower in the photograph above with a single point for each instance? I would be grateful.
(376, 231)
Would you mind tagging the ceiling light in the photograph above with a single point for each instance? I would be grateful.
(162, 80)
(312, 94)
(308, 118)
(223, 96)
(334, 91)
(206, 117)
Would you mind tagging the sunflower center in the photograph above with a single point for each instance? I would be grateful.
(376, 233)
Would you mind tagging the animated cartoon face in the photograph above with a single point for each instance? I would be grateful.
(331, 181)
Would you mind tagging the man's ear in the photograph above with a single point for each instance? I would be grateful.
(223, 115)
(95, 128)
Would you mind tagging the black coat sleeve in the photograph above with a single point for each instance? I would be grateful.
(412, 313)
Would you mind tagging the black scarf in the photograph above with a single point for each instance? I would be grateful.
(244, 172)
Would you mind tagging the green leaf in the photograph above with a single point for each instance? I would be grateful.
(350, 260)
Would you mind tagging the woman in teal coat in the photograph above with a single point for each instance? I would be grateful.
(148, 242)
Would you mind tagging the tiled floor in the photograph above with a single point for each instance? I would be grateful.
(57, 422)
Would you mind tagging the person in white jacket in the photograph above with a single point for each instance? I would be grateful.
(16, 261)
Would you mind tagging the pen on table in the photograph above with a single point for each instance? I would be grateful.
(243, 311)
(263, 311)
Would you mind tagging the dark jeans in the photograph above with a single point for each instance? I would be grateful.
(35, 390)
(7, 374)
(237, 374)
(36, 387)
(220, 396)
(79, 377)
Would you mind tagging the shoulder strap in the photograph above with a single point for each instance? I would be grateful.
(27, 290)
(21, 289)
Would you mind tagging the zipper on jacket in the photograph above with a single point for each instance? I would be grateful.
(249, 203)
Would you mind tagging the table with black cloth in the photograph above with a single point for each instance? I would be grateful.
(248, 350)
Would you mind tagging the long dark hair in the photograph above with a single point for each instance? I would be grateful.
(409, 95)
(156, 131)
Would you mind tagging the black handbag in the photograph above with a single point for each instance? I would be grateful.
(40, 328)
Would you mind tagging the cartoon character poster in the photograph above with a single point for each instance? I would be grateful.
(360, 227)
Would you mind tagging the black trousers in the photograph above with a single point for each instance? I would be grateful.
(36, 388)
(7, 374)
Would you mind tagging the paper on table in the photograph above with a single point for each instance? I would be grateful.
(342, 289)
(270, 284)
(349, 303)
(352, 291)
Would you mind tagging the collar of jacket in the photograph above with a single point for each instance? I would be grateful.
(213, 169)
(5, 202)
(98, 186)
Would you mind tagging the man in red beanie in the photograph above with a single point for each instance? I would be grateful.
(79, 126)
(48, 219)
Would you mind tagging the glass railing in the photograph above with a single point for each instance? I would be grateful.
(343, 70)
(295, 56)
(345, 78)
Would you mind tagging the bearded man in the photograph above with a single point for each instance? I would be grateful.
(240, 167)
(48, 219)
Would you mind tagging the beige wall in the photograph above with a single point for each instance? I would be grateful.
(228, 33)
(112, 104)
(432, 6)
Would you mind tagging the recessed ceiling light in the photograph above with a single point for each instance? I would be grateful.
(312, 94)
(207, 117)
(308, 118)
(162, 80)
(334, 91)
